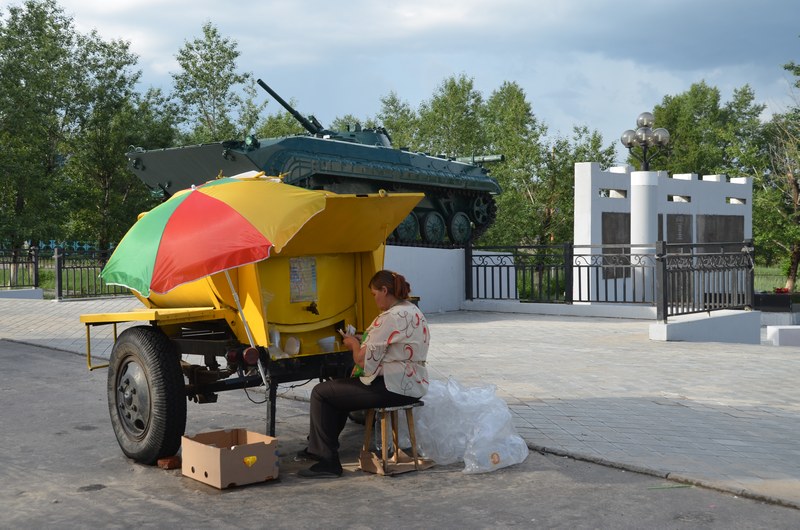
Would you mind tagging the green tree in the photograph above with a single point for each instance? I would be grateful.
(708, 137)
(206, 88)
(450, 122)
(776, 201)
(106, 196)
(68, 114)
(555, 189)
(513, 131)
(250, 111)
(745, 149)
(281, 124)
(400, 121)
(694, 121)
(39, 110)
(537, 174)
(350, 121)
(794, 69)
(96, 158)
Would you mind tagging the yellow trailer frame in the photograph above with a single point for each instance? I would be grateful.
(305, 291)
(155, 316)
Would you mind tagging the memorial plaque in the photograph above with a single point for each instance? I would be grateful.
(679, 228)
(720, 229)
(616, 230)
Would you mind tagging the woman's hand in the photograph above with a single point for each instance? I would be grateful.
(350, 342)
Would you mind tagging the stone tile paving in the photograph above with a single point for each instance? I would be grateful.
(716, 414)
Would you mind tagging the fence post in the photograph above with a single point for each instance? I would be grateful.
(468, 270)
(750, 248)
(661, 281)
(568, 259)
(58, 254)
(35, 258)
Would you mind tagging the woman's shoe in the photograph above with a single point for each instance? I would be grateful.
(303, 454)
(322, 469)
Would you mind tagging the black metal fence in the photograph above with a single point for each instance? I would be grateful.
(560, 274)
(704, 277)
(60, 273)
(19, 268)
(617, 273)
(539, 273)
(77, 275)
(678, 279)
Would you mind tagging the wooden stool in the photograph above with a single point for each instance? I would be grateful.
(392, 412)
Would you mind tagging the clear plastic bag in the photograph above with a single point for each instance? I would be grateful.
(494, 443)
(472, 425)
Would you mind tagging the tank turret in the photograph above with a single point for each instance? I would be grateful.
(459, 200)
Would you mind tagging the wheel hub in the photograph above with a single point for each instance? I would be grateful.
(480, 210)
(133, 400)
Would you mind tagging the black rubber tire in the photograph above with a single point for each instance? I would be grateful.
(146, 395)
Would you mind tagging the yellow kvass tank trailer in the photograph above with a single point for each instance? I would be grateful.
(268, 322)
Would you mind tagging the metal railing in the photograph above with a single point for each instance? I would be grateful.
(560, 274)
(77, 275)
(19, 268)
(530, 273)
(617, 273)
(697, 278)
(677, 278)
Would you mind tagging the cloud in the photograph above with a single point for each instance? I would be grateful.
(598, 63)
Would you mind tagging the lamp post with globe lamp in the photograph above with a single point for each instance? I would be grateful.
(644, 197)
(647, 138)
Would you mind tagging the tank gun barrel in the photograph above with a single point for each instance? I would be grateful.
(480, 159)
(310, 127)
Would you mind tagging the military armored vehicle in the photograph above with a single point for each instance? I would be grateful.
(459, 200)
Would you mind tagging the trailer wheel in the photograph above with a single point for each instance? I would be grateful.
(146, 396)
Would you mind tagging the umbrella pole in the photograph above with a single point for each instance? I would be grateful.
(239, 308)
(246, 328)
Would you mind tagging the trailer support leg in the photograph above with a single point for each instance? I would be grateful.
(272, 390)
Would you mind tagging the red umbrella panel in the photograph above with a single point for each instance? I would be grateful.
(218, 226)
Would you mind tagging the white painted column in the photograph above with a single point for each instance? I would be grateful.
(644, 228)
(644, 208)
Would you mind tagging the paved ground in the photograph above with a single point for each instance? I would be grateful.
(61, 467)
(720, 415)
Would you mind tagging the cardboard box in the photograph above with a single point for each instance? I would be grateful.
(230, 458)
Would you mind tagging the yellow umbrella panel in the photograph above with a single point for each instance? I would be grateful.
(317, 279)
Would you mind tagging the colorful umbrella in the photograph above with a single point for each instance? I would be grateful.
(215, 227)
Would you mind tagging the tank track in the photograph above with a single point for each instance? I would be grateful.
(435, 193)
(436, 196)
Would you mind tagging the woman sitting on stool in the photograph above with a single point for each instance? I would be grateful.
(390, 360)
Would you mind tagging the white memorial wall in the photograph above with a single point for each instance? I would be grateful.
(688, 205)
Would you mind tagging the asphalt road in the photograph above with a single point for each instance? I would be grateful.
(61, 468)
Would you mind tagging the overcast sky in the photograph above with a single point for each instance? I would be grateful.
(580, 62)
